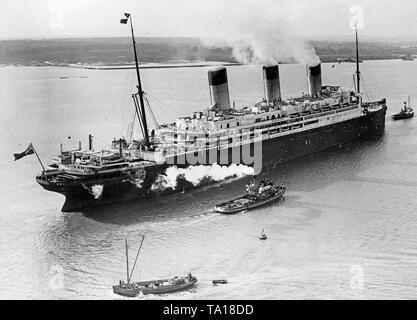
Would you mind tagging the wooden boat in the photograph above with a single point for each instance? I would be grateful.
(221, 281)
(405, 113)
(133, 289)
(256, 196)
(155, 286)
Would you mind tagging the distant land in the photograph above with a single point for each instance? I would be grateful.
(118, 51)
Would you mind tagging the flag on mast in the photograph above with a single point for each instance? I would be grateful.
(29, 150)
(124, 21)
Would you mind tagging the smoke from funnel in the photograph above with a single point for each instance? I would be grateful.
(265, 32)
(268, 49)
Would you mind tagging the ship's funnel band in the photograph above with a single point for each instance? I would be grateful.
(271, 72)
(272, 83)
(315, 70)
(217, 76)
(219, 89)
(314, 80)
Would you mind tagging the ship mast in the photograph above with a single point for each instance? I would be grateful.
(136, 259)
(358, 73)
(127, 262)
(141, 115)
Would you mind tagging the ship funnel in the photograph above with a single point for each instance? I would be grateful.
(314, 79)
(219, 89)
(271, 83)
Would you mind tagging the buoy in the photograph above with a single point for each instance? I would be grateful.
(263, 235)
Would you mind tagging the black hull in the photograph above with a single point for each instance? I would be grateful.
(258, 204)
(232, 207)
(162, 289)
(138, 185)
(402, 116)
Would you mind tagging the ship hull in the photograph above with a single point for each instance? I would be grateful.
(142, 185)
(161, 289)
(225, 208)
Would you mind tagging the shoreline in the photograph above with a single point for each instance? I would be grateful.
(173, 65)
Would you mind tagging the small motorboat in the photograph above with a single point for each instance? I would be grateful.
(221, 281)
(405, 113)
(257, 195)
(133, 289)
(263, 235)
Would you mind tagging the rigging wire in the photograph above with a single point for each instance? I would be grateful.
(131, 125)
(151, 112)
(128, 103)
(166, 92)
(120, 92)
(375, 89)
(138, 113)
(136, 259)
(167, 89)
(366, 90)
(165, 108)
(127, 113)
(353, 85)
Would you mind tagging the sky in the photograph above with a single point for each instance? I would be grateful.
(207, 18)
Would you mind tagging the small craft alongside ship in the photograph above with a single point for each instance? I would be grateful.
(405, 113)
(407, 58)
(257, 195)
(133, 289)
(219, 281)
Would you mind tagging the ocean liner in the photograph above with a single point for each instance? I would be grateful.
(270, 132)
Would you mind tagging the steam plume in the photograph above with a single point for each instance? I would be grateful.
(197, 174)
(268, 32)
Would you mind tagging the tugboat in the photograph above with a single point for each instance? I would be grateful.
(133, 289)
(405, 113)
(257, 195)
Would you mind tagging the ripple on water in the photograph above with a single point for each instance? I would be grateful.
(348, 209)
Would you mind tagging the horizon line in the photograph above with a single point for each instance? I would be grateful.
(344, 38)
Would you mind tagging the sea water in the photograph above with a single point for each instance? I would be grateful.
(346, 230)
